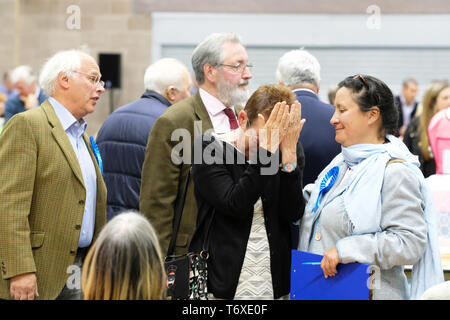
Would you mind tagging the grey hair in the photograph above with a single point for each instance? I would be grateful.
(24, 73)
(298, 67)
(130, 227)
(125, 262)
(67, 62)
(164, 73)
(209, 51)
(407, 81)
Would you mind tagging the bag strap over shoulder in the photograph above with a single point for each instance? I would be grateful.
(394, 160)
(178, 213)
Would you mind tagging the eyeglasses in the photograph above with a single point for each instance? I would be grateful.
(95, 79)
(238, 68)
(360, 77)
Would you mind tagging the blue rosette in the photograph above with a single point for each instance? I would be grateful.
(326, 184)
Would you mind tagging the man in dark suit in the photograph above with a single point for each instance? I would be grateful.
(221, 68)
(123, 136)
(406, 104)
(28, 94)
(300, 71)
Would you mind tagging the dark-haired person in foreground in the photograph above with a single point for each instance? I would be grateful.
(378, 210)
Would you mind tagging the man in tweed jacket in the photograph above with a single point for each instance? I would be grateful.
(52, 195)
(220, 63)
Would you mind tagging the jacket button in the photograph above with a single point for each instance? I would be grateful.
(318, 236)
(73, 252)
(81, 202)
(77, 227)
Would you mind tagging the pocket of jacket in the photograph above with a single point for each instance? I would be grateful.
(36, 239)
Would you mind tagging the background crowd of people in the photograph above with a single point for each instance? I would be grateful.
(71, 200)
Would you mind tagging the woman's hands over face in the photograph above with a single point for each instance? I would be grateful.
(282, 128)
(292, 133)
(275, 127)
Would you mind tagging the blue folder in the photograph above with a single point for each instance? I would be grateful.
(309, 283)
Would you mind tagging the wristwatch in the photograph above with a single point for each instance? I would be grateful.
(289, 166)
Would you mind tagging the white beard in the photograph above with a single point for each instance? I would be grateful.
(231, 94)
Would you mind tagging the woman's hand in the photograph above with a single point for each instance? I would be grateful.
(288, 146)
(275, 128)
(329, 262)
(290, 139)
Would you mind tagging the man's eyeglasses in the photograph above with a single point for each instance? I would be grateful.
(95, 79)
(238, 68)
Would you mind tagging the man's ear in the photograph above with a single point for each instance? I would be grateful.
(63, 80)
(210, 73)
(171, 94)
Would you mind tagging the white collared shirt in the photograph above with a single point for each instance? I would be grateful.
(304, 89)
(215, 107)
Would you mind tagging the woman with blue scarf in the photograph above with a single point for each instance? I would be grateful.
(371, 204)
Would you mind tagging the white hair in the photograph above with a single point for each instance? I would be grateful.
(298, 67)
(67, 62)
(24, 73)
(210, 51)
(164, 73)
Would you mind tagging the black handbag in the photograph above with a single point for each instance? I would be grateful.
(187, 274)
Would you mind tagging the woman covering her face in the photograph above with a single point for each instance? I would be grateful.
(248, 188)
(373, 206)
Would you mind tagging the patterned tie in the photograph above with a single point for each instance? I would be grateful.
(231, 118)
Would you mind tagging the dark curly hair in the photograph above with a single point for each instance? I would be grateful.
(368, 92)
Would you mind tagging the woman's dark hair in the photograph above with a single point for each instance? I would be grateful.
(368, 92)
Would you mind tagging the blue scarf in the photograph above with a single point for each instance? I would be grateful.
(364, 191)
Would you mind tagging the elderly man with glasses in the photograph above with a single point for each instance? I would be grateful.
(221, 68)
(27, 94)
(52, 195)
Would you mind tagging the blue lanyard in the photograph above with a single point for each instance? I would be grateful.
(326, 184)
(96, 154)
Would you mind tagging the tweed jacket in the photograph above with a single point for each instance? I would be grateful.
(163, 179)
(42, 197)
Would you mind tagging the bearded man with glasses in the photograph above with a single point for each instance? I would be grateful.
(222, 71)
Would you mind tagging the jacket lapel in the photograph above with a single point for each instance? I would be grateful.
(63, 141)
(201, 113)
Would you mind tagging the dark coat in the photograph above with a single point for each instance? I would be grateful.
(14, 105)
(317, 136)
(231, 190)
(398, 103)
(411, 140)
(122, 141)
